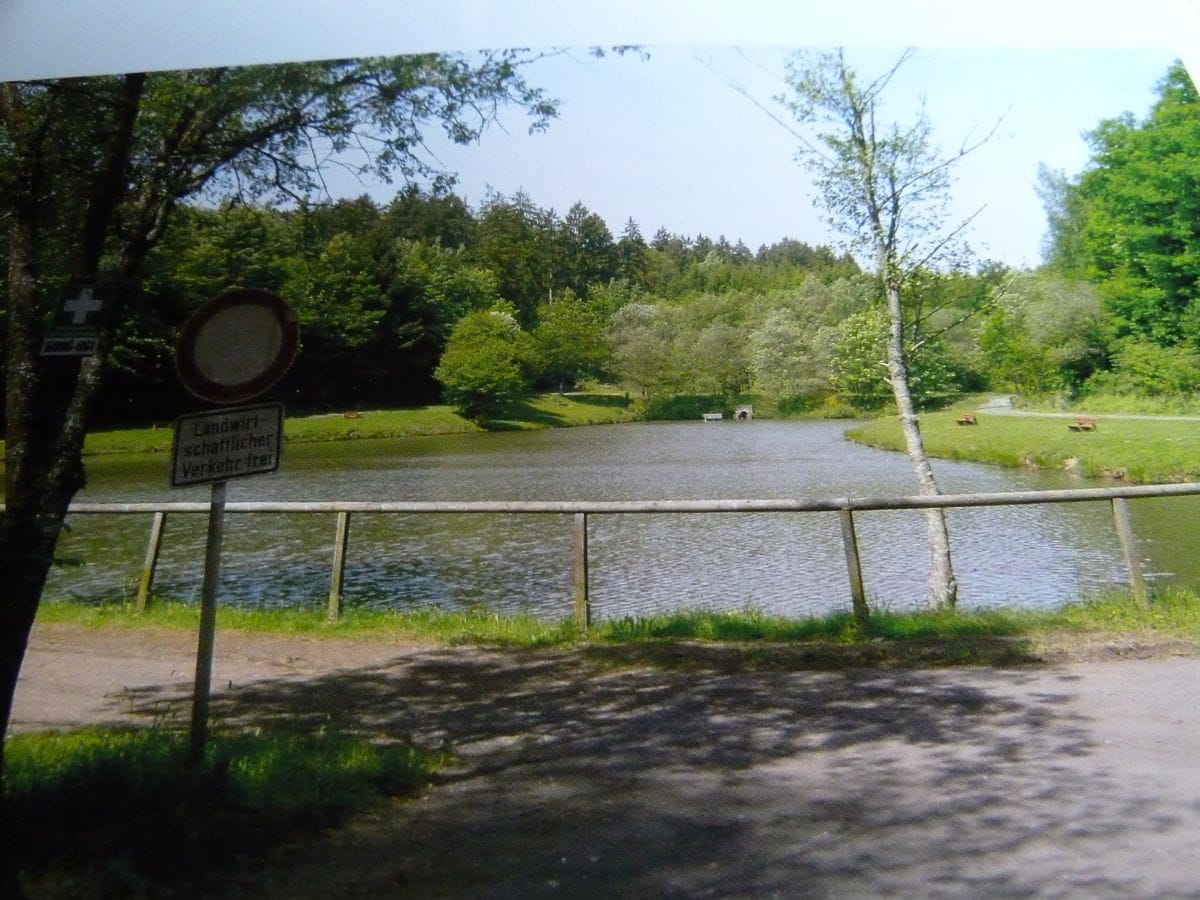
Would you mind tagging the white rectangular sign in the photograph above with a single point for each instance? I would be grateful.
(226, 443)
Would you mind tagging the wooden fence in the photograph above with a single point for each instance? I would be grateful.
(581, 511)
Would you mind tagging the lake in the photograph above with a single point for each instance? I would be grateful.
(779, 563)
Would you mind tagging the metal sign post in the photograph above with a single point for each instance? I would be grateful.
(208, 621)
(235, 348)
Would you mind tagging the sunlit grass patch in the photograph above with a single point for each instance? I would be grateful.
(446, 626)
(540, 411)
(115, 813)
(1171, 612)
(1139, 450)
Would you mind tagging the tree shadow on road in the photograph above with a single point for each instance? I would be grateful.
(684, 770)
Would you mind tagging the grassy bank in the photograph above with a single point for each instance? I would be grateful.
(103, 813)
(542, 411)
(1136, 450)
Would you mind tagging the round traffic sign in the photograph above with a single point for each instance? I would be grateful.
(237, 346)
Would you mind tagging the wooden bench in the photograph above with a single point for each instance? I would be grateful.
(967, 419)
(1082, 423)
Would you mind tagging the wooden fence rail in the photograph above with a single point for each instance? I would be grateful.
(581, 510)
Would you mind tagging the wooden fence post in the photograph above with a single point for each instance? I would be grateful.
(858, 596)
(583, 607)
(341, 538)
(1129, 547)
(153, 548)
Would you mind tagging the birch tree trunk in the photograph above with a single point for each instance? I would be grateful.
(942, 592)
(885, 186)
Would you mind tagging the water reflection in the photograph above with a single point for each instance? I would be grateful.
(781, 563)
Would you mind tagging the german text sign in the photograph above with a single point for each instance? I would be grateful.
(226, 443)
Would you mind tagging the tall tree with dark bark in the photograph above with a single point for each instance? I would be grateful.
(91, 171)
(887, 188)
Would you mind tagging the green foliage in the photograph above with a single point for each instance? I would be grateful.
(884, 186)
(584, 251)
(516, 241)
(1146, 369)
(683, 407)
(644, 349)
(1129, 222)
(429, 288)
(1171, 612)
(858, 368)
(1043, 334)
(718, 361)
(570, 340)
(150, 445)
(489, 365)
(790, 360)
(123, 813)
(451, 627)
(334, 295)
(380, 288)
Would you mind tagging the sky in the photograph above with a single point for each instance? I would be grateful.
(669, 140)
(674, 141)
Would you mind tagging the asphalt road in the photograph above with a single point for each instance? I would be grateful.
(599, 774)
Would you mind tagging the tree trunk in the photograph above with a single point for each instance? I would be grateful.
(26, 551)
(47, 398)
(943, 587)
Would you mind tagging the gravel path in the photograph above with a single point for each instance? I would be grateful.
(609, 772)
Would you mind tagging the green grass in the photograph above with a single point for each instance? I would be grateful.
(121, 813)
(1173, 613)
(540, 411)
(839, 628)
(1137, 450)
(475, 626)
(1168, 405)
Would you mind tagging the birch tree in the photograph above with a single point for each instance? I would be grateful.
(886, 187)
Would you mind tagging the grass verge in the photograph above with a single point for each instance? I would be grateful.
(1136, 450)
(429, 625)
(1102, 627)
(103, 813)
(1172, 615)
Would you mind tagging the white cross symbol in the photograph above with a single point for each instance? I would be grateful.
(82, 305)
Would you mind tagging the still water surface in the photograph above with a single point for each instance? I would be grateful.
(790, 563)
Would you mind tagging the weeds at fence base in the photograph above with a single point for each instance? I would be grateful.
(1173, 613)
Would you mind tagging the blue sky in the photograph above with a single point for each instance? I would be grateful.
(665, 140)
(669, 143)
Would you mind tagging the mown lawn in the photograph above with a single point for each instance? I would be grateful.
(1142, 451)
(542, 411)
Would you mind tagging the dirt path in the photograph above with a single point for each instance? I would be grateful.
(603, 773)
